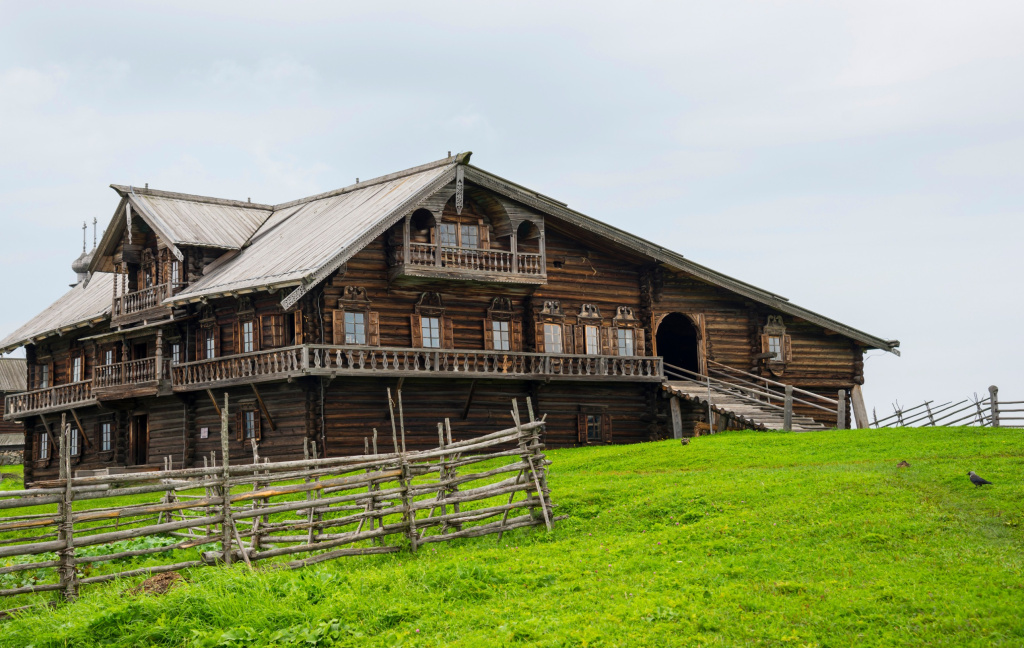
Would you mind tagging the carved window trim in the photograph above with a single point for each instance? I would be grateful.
(354, 300)
(551, 311)
(589, 312)
(431, 305)
(625, 317)
(775, 339)
(590, 417)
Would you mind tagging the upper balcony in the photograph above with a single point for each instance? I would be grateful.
(131, 379)
(142, 305)
(446, 262)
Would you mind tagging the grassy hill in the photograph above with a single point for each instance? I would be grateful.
(763, 539)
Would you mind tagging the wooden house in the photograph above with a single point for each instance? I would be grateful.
(12, 433)
(459, 287)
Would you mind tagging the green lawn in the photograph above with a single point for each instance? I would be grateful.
(743, 538)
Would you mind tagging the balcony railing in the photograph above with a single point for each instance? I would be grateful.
(475, 259)
(143, 300)
(293, 361)
(247, 367)
(125, 373)
(50, 398)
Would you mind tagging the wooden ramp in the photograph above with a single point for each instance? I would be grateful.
(758, 415)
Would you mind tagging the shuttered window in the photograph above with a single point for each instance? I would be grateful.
(297, 315)
(779, 345)
(271, 333)
(501, 336)
(210, 344)
(625, 341)
(552, 338)
(106, 437)
(592, 334)
(43, 446)
(44, 376)
(77, 366)
(248, 337)
(248, 425)
(594, 426)
(430, 332)
(355, 328)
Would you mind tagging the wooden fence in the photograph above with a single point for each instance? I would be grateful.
(974, 412)
(378, 502)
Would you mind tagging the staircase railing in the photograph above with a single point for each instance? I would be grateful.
(817, 401)
(755, 396)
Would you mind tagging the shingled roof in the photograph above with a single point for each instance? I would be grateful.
(13, 375)
(86, 304)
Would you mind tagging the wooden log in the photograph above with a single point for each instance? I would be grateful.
(225, 493)
(338, 553)
(143, 571)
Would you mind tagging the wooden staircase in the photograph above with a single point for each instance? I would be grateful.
(734, 402)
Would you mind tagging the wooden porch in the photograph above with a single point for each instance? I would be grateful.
(502, 266)
(142, 305)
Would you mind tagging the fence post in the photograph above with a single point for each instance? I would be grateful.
(994, 406)
(841, 410)
(787, 415)
(225, 488)
(66, 570)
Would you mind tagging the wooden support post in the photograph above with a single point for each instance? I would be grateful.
(860, 412)
(263, 406)
(213, 400)
(994, 406)
(405, 240)
(787, 416)
(225, 488)
(68, 573)
(159, 354)
(81, 428)
(408, 513)
(677, 418)
(841, 410)
(514, 247)
(469, 401)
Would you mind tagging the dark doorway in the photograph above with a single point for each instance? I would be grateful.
(139, 351)
(139, 450)
(677, 342)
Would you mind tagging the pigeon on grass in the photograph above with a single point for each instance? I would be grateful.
(977, 481)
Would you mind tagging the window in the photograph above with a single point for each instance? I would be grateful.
(775, 346)
(625, 339)
(248, 345)
(148, 278)
(593, 339)
(500, 336)
(446, 232)
(73, 442)
(176, 353)
(355, 328)
(594, 428)
(470, 236)
(431, 330)
(106, 437)
(108, 357)
(44, 376)
(44, 446)
(249, 424)
(210, 344)
(175, 272)
(76, 369)
(552, 338)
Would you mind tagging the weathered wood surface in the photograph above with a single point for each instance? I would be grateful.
(265, 510)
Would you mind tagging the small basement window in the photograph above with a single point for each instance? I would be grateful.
(594, 428)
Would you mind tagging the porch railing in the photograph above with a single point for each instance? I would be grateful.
(125, 373)
(49, 398)
(498, 364)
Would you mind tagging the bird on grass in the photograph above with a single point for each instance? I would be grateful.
(977, 481)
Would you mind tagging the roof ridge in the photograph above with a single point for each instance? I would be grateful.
(124, 190)
(458, 158)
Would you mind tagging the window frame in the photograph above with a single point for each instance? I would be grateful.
(43, 446)
(450, 232)
(74, 442)
(592, 339)
(77, 368)
(209, 344)
(247, 337)
(501, 335)
(556, 336)
(625, 337)
(425, 328)
(358, 320)
(106, 440)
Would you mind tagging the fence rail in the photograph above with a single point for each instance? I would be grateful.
(311, 510)
(970, 412)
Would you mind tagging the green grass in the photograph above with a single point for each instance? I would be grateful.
(738, 539)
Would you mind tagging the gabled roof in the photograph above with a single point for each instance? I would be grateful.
(13, 375)
(181, 219)
(305, 239)
(300, 243)
(86, 304)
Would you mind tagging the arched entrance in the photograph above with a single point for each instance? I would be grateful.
(678, 343)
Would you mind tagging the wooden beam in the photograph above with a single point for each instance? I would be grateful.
(46, 426)
(469, 400)
(213, 400)
(263, 406)
(81, 428)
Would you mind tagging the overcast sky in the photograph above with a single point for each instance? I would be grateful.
(864, 159)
